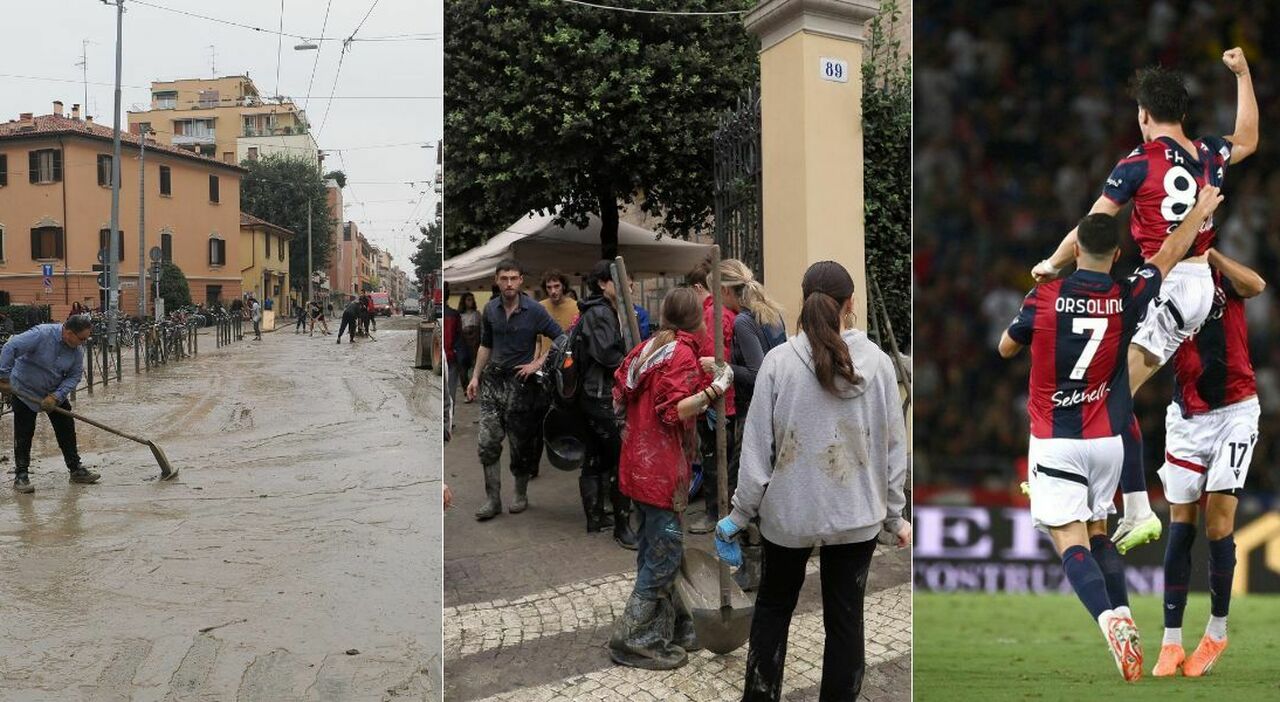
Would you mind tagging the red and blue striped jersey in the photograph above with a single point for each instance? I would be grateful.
(1162, 179)
(1079, 329)
(1212, 369)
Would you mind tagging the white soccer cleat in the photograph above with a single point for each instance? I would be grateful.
(1131, 533)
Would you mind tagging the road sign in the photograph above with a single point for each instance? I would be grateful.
(102, 281)
(156, 254)
(48, 285)
(102, 255)
(128, 283)
(46, 270)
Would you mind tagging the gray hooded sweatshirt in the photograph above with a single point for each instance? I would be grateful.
(819, 468)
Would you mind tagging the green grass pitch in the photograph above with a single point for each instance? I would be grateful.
(1044, 647)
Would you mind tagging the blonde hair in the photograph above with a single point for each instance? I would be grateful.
(752, 295)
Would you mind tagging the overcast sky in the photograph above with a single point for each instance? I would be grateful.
(43, 43)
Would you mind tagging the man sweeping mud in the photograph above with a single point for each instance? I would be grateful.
(44, 362)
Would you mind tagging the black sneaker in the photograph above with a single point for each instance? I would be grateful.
(84, 476)
(23, 484)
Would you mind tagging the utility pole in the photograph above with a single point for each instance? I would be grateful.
(84, 72)
(110, 264)
(142, 225)
(309, 276)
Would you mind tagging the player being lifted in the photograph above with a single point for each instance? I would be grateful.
(1162, 177)
(1210, 430)
(1079, 402)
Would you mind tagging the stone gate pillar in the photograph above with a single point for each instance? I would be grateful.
(811, 138)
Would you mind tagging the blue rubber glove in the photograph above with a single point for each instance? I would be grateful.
(727, 548)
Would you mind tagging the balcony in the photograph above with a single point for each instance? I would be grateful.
(206, 139)
(272, 131)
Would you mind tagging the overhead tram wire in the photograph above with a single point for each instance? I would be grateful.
(669, 13)
(425, 36)
(319, 47)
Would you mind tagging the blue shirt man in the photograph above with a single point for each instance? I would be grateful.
(43, 365)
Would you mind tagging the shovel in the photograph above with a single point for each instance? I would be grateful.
(721, 612)
(167, 471)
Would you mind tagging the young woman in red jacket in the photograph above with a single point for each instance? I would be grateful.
(661, 386)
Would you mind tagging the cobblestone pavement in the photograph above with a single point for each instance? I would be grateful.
(530, 601)
(293, 558)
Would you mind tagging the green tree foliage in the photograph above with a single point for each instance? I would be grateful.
(338, 176)
(280, 189)
(173, 286)
(551, 105)
(427, 258)
(886, 125)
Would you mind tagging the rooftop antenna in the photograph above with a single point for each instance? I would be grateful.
(213, 61)
(84, 72)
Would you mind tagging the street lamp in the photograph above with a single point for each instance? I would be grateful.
(306, 46)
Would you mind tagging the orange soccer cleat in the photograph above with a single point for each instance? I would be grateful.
(1171, 658)
(1206, 654)
(1122, 638)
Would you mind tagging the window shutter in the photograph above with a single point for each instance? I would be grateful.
(4, 170)
(57, 165)
(166, 247)
(222, 251)
(33, 166)
(122, 245)
(35, 244)
(165, 186)
(213, 188)
(59, 236)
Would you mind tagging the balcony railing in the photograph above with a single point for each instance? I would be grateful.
(193, 139)
(273, 131)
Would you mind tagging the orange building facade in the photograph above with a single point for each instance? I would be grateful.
(55, 210)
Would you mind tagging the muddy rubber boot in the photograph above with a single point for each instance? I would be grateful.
(592, 505)
(83, 476)
(684, 636)
(522, 495)
(493, 489)
(22, 482)
(642, 636)
(622, 532)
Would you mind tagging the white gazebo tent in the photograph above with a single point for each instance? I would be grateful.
(539, 244)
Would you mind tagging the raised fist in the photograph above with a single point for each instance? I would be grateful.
(1234, 58)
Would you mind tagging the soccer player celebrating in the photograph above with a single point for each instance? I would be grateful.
(1162, 177)
(1210, 430)
(1079, 402)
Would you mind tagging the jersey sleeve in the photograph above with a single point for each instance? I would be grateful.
(1221, 148)
(1126, 178)
(1138, 290)
(1022, 326)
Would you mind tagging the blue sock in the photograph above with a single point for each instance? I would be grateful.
(1086, 579)
(1132, 478)
(1222, 565)
(1104, 552)
(1177, 572)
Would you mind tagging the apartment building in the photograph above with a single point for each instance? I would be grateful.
(226, 119)
(55, 212)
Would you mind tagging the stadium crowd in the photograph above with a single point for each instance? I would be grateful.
(1020, 114)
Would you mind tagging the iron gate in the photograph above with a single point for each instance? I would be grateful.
(739, 199)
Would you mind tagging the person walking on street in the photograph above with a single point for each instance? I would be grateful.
(300, 325)
(662, 388)
(562, 309)
(826, 437)
(255, 314)
(45, 362)
(350, 318)
(511, 400)
(602, 350)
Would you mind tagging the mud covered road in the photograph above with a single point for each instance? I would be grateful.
(296, 556)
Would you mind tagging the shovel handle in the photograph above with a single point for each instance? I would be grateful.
(86, 420)
(722, 461)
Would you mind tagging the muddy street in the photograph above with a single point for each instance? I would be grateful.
(295, 557)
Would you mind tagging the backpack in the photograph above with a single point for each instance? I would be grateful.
(561, 369)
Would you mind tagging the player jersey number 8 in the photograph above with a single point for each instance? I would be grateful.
(1180, 191)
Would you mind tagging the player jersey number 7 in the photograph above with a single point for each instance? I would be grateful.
(1078, 329)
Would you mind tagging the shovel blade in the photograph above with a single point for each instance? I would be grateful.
(720, 629)
(167, 471)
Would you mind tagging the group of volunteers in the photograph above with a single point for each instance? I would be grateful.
(816, 418)
(359, 317)
(1095, 341)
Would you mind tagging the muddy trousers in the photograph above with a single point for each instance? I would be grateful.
(24, 429)
(603, 443)
(707, 450)
(653, 626)
(511, 410)
(844, 585)
(348, 326)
